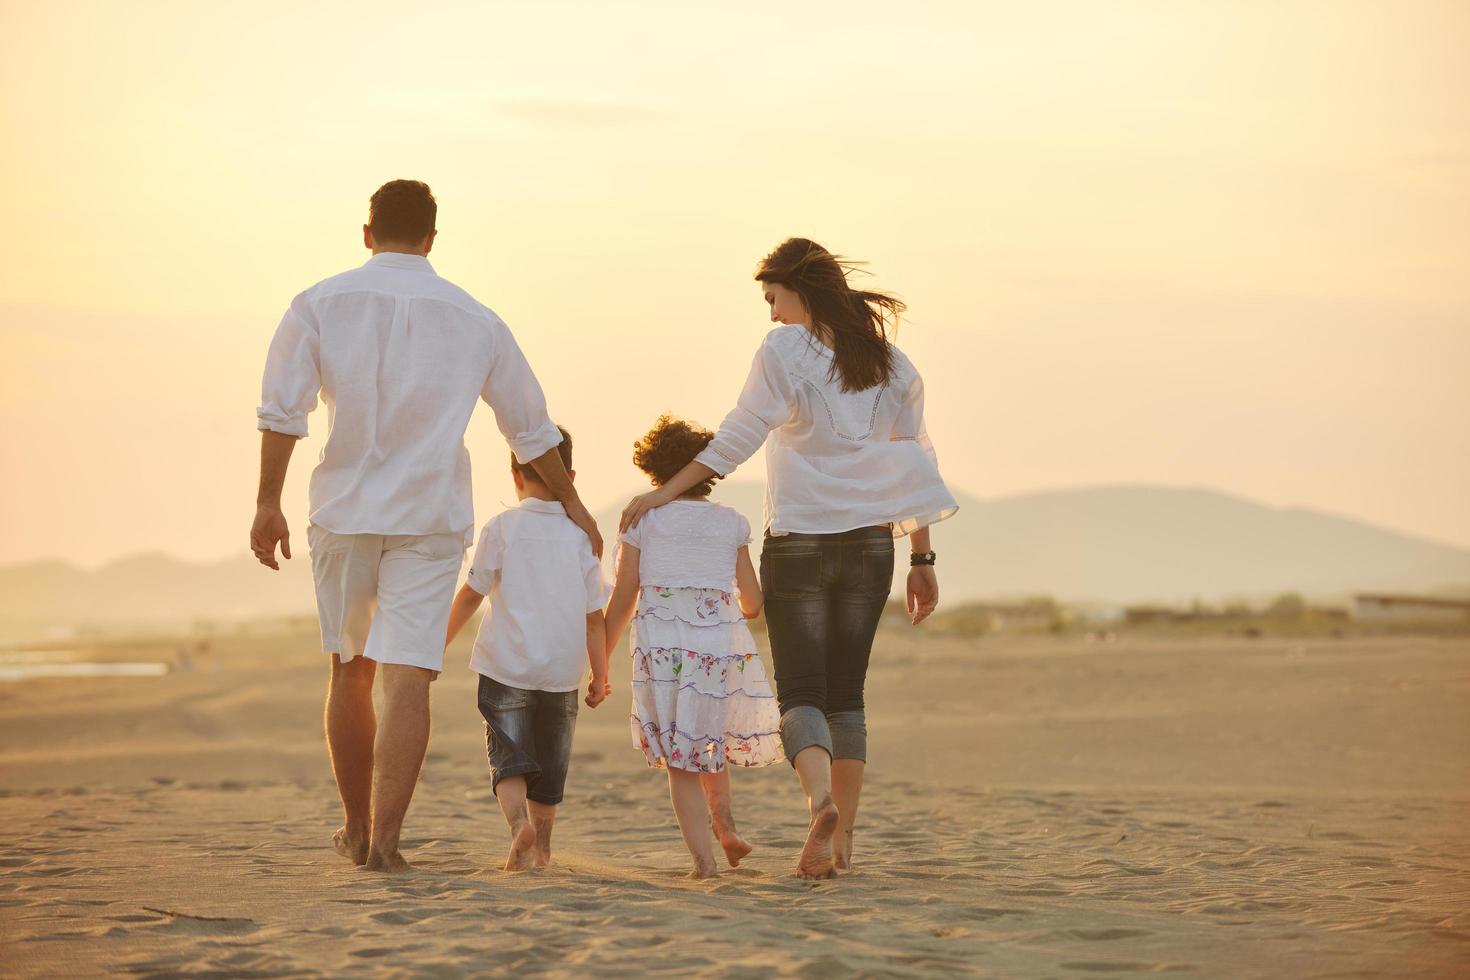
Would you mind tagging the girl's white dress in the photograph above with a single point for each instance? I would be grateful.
(700, 694)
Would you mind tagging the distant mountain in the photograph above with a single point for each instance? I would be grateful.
(1104, 544)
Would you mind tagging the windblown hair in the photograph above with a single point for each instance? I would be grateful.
(670, 446)
(564, 450)
(857, 322)
(402, 211)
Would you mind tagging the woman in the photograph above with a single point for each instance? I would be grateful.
(849, 468)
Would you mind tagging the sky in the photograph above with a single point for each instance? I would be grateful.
(1188, 244)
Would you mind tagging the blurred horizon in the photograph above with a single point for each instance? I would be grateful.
(1141, 244)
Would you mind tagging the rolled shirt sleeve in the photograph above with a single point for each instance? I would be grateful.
(909, 424)
(514, 395)
(486, 563)
(597, 587)
(766, 401)
(288, 391)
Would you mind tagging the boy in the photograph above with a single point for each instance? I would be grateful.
(546, 595)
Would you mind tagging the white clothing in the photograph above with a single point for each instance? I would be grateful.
(701, 699)
(399, 356)
(835, 460)
(538, 570)
(689, 543)
(385, 597)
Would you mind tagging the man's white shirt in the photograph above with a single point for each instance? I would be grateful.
(398, 355)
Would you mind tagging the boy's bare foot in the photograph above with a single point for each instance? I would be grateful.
(354, 847)
(390, 864)
(815, 862)
(522, 855)
(842, 850)
(702, 870)
(734, 846)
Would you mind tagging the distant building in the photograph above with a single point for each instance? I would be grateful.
(1377, 606)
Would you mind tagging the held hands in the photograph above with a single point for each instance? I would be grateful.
(269, 530)
(598, 691)
(642, 504)
(923, 592)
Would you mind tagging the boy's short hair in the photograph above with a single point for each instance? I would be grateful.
(402, 212)
(670, 446)
(528, 472)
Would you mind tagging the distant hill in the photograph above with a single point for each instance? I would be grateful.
(1104, 544)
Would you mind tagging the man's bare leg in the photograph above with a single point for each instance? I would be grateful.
(814, 767)
(351, 726)
(847, 789)
(397, 755)
(543, 819)
(722, 818)
(689, 810)
(510, 793)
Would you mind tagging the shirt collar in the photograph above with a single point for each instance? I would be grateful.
(401, 260)
(538, 506)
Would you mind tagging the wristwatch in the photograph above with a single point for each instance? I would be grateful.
(921, 558)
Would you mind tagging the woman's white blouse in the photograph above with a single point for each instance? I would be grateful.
(835, 460)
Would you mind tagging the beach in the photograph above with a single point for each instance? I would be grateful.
(1035, 806)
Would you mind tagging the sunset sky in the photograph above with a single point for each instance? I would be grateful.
(1205, 244)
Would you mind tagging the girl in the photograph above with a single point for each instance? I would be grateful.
(700, 696)
(849, 468)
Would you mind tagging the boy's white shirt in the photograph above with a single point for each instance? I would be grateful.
(540, 575)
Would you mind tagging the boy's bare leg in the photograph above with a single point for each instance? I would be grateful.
(847, 789)
(511, 794)
(543, 818)
(398, 755)
(351, 726)
(814, 768)
(689, 810)
(722, 818)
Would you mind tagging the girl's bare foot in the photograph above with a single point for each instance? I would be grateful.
(815, 862)
(702, 870)
(842, 850)
(354, 847)
(522, 849)
(390, 864)
(734, 846)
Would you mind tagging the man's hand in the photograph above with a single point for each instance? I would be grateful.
(642, 504)
(923, 592)
(269, 530)
(577, 511)
(598, 691)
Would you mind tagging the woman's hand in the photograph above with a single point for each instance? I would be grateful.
(642, 504)
(923, 592)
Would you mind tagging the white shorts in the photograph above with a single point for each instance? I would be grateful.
(385, 596)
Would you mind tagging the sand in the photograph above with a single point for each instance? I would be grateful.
(1035, 807)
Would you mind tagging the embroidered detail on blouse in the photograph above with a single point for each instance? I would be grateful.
(832, 421)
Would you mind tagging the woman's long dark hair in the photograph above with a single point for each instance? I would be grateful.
(856, 321)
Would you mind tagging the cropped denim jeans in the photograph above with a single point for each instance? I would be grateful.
(824, 596)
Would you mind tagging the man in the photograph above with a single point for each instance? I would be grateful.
(399, 355)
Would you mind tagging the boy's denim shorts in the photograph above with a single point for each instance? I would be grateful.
(529, 733)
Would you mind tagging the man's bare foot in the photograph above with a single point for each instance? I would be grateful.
(389, 864)
(815, 862)
(842, 850)
(354, 847)
(522, 856)
(703, 870)
(734, 846)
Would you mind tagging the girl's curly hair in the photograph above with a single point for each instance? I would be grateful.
(670, 446)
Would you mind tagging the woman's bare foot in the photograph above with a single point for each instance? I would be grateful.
(815, 862)
(354, 847)
(842, 850)
(389, 864)
(734, 846)
(703, 870)
(522, 855)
